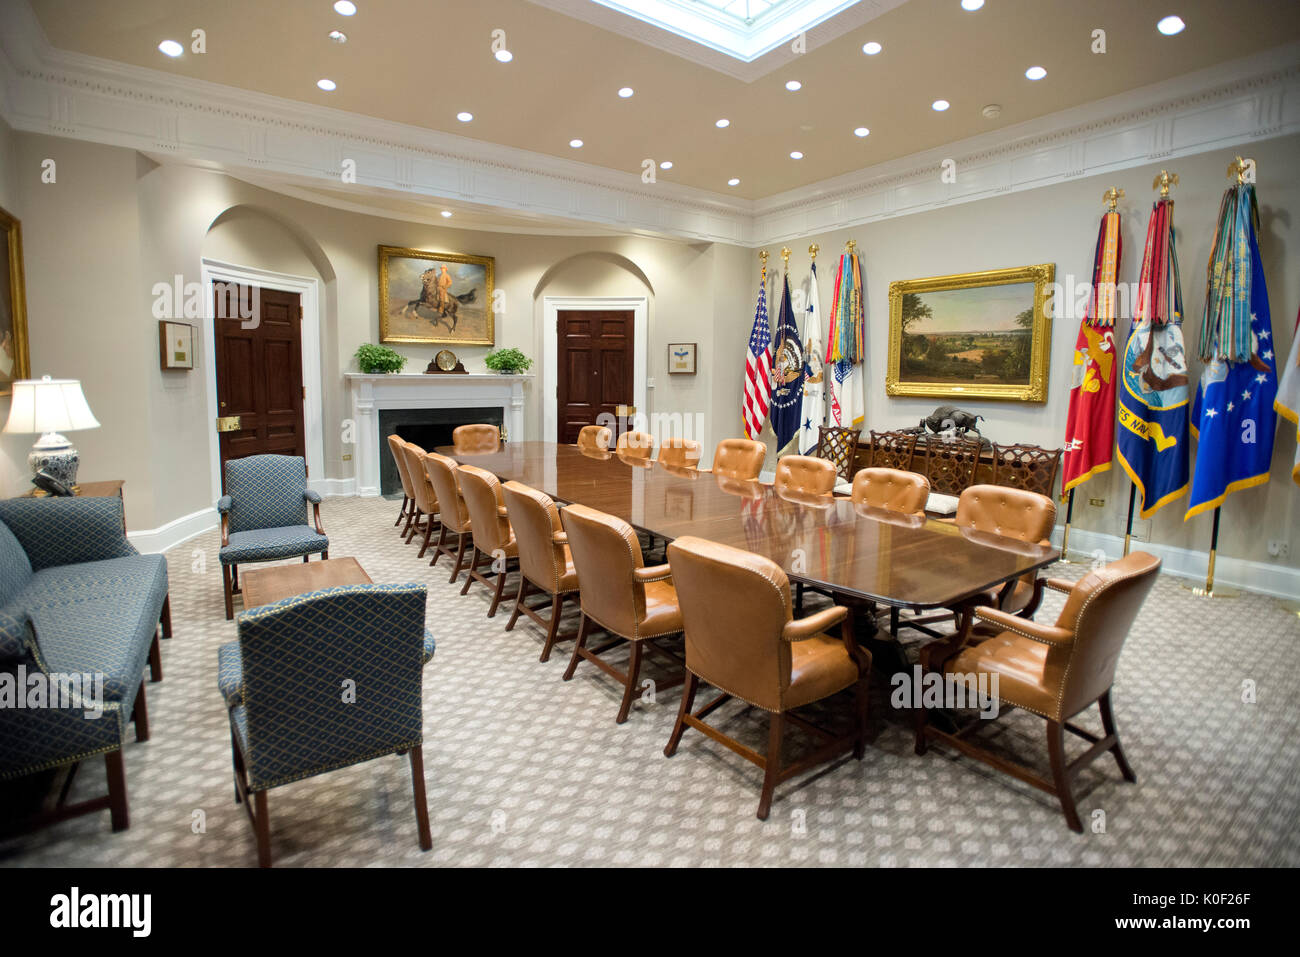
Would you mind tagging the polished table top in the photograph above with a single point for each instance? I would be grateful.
(855, 550)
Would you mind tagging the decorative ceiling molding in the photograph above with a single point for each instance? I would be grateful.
(54, 92)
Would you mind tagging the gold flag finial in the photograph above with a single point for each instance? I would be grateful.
(851, 245)
(813, 250)
(1237, 169)
(1164, 181)
(1112, 197)
(785, 255)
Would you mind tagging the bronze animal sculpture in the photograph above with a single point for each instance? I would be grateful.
(950, 417)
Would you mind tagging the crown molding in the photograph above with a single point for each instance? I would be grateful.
(54, 92)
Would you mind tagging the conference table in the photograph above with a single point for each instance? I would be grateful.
(831, 544)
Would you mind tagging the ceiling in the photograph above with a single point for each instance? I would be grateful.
(418, 63)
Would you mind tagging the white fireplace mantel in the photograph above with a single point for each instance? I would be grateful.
(372, 392)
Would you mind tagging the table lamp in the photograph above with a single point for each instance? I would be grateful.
(49, 407)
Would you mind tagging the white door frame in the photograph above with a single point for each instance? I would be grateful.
(213, 270)
(551, 306)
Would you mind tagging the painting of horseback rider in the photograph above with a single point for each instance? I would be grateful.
(435, 297)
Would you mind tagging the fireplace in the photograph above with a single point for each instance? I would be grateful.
(427, 428)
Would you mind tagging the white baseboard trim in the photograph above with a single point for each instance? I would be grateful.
(151, 541)
(1268, 579)
(333, 487)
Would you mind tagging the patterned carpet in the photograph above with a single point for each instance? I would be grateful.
(526, 770)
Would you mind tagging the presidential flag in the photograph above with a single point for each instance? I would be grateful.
(1233, 409)
(1154, 393)
(812, 415)
(1287, 403)
(1090, 423)
(787, 373)
(758, 367)
(844, 344)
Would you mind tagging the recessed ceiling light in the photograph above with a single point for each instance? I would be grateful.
(338, 36)
(971, 5)
(872, 48)
(464, 117)
(796, 155)
(576, 144)
(446, 214)
(327, 85)
(793, 85)
(504, 56)
(722, 124)
(1035, 73)
(666, 164)
(940, 105)
(862, 131)
(733, 182)
(345, 8)
(625, 92)
(1171, 25)
(171, 48)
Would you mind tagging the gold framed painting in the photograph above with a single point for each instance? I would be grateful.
(15, 360)
(982, 335)
(438, 298)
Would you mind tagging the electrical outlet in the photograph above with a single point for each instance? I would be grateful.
(1142, 529)
(1278, 548)
(347, 456)
(1097, 502)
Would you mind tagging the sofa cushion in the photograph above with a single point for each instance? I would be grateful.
(15, 568)
(134, 577)
(268, 544)
(67, 531)
(13, 634)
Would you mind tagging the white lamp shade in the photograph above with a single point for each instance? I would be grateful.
(49, 405)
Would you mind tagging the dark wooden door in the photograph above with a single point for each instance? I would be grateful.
(259, 372)
(595, 367)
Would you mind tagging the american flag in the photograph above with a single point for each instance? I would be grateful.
(758, 369)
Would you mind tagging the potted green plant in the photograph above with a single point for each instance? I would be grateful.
(508, 361)
(375, 359)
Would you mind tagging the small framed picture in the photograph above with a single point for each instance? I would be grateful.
(176, 345)
(681, 358)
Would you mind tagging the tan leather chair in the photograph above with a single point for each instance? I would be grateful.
(636, 445)
(452, 510)
(805, 475)
(1054, 671)
(544, 559)
(1011, 513)
(594, 438)
(494, 539)
(742, 639)
(738, 459)
(476, 439)
(891, 489)
(618, 594)
(395, 443)
(426, 499)
(681, 453)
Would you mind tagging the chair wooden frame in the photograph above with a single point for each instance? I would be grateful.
(553, 635)
(893, 450)
(1028, 467)
(839, 446)
(637, 650)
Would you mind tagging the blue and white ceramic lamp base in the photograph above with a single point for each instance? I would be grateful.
(57, 456)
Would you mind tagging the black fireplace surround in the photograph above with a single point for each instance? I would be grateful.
(427, 428)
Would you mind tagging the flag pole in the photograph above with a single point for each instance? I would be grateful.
(1128, 530)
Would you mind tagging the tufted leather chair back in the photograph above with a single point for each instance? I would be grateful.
(636, 445)
(1011, 512)
(442, 473)
(594, 438)
(805, 475)
(481, 491)
(476, 439)
(739, 459)
(891, 489)
(683, 453)
(535, 520)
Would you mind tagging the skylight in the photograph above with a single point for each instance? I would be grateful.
(744, 29)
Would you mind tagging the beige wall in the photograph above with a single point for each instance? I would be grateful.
(13, 448)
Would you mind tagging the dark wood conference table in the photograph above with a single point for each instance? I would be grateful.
(870, 554)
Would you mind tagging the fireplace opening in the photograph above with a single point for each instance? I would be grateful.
(427, 428)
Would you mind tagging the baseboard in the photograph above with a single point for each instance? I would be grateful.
(154, 540)
(333, 487)
(1268, 579)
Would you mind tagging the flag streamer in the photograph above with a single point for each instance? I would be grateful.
(845, 341)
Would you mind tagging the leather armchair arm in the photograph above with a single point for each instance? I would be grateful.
(1047, 634)
(651, 573)
(802, 629)
(1058, 584)
(560, 538)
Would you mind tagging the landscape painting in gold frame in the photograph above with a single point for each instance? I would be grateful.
(980, 335)
(435, 298)
(14, 360)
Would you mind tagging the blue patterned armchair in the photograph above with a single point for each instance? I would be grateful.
(323, 681)
(264, 516)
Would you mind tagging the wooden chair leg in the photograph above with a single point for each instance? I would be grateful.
(501, 587)
(1108, 728)
(140, 715)
(262, 829)
(473, 567)
(688, 702)
(428, 531)
(1061, 774)
(519, 602)
(440, 546)
(578, 645)
(553, 630)
(325, 555)
(155, 659)
(771, 763)
(167, 617)
(460, 557)
(237, 763)
(421, 804)
(402, 514)
(117, 803)
(630, 689)
(412, 524)
(225, 584)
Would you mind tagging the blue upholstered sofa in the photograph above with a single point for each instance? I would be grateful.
(76, 598)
